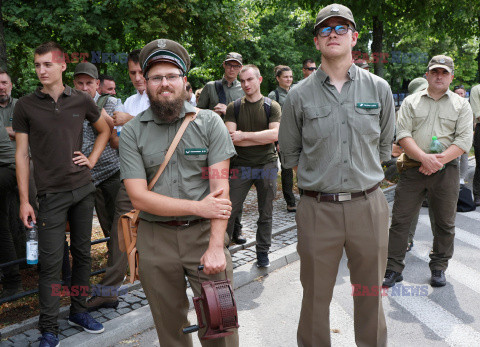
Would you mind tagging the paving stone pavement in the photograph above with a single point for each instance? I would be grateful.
(283, 225)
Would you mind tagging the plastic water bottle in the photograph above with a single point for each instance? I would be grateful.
(435, 146)
(32, 244)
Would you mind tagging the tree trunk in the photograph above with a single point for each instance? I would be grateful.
(377, 45)
(3, 44)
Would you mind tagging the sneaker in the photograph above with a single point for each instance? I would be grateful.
(262, 259)
(391, 277)
(87, 322)
(438, 278)
(49, 340)
(96, 302)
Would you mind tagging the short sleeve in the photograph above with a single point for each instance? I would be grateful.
(275, 112)
(20, 121)
(92, 112)
(131, 163)
(221, 146)
(230, 114)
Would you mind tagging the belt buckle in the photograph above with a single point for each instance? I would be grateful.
(344, 197)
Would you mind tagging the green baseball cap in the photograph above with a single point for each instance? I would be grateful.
(87, 69)
(334, 10)
(441, 61)
(417, 85)
(234, 56)
(164, 50)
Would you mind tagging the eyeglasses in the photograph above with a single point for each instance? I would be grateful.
(339, 29)
(310, 68)
(233, 66)
(156, 80)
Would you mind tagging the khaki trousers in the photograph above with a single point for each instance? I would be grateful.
(167, 255)
(324, 230)
(442, 188)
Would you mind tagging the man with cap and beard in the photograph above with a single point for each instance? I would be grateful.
(184, 218)
(435, 111)
(337, 127)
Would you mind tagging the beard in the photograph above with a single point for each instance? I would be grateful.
(167, 111)
(4, 98)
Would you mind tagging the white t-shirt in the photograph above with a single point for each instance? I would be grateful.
(134, 105)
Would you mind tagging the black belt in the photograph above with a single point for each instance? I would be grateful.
(182, 223)
(333, 197)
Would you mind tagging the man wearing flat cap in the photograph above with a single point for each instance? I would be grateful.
(184, 218)
(337, 127)
(435, 111)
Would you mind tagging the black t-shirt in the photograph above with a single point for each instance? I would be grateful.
(55, 131)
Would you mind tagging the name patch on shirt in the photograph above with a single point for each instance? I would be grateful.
(195, 151)
(367, 105)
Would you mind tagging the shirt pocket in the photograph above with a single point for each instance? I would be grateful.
(153, 161)
(448, 121)
(318, 122)
(367, 120)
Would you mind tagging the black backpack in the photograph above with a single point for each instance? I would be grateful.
(465, 201)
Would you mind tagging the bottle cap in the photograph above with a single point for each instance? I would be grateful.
(434, 138)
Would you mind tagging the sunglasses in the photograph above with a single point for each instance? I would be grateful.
(339, 29)
(310, 68)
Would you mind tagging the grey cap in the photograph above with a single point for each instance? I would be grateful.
(234, 56)
(334, 10)
(87, 69)
(441, 61)
(417, 85)
(164, 50)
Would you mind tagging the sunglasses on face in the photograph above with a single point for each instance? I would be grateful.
(339, 29)
(310, 68)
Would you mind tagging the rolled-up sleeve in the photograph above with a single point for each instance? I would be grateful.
(290, 133)
(387, 125)
(131, 163)
(463, 130)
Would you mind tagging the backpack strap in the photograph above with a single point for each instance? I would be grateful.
(236, 108)
(267, 106)
(277, 96)
(222, 98)
(102, 101)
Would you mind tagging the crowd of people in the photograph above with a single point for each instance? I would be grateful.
(66, 151)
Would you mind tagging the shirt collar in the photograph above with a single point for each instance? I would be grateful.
(425, 92)
(280, 89)
(148, 115)
(225, 82)
(352, 72)
(95, 98)
(67, 92)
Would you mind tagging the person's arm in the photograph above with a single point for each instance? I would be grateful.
(107, 118)
(264, 137)
(387, 124)
(100, 142)
(214, 258)
(430, 162)
(121, 118)
(22, 163)
(290, 133)
(204, 98)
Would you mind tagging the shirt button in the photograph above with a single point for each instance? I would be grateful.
(345, 161)
(174, 181)
(344, 141)
(345, 180)
(343, 122)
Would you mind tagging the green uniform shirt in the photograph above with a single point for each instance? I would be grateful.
(252, 118)
(475, 100)
(145, 141)
(338, 140)
(208, 98)
(282, 95)
(6, 113)
(449, 119)
(7, 149)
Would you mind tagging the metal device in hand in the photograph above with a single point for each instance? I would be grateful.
(219, 307)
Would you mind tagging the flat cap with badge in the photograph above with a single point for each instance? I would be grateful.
(441, 61)
(166, 51)
(334, 10)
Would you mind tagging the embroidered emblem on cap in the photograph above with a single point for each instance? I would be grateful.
(161, 43)
(442, 61)
(334, 9)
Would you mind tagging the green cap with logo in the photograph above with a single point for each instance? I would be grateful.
(441, 61)
(334, 10)
(164, 50)
(417, 85)
(234, 56)
(87, 69)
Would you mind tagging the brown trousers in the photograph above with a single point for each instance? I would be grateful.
(324, 230)
(167, 255)
(442, 188)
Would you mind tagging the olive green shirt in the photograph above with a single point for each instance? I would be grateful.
(6, 113)
(282, 95)
(208, 98)
(145, 141)
(475, 100)
(7, 149)
(449, 118)
(252, 118)
(338, 140)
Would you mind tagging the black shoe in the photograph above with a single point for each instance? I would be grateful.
(391, 277)
(438, 278)
(409, 246)
(239, 240)
(262, 259)
(425, 203)
(477, 201)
